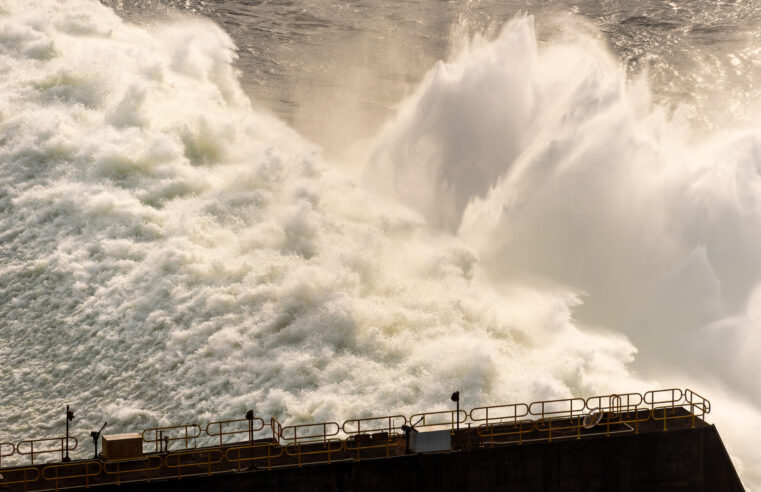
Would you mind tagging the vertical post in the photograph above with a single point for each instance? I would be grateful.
(69, 417)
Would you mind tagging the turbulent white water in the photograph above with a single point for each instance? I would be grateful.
(536, 228)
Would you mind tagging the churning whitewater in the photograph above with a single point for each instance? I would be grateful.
(529, 225)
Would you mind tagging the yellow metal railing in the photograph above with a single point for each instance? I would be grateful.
(620, 410)
(277, 429)
(443, 418)
(10, 476)
(373, 433)
(163, 436)
(197, 459)
(317, 432)
(147, 465)
(558, 416)
(329, 447)
(5, 454)
(60, 449)
(216, 429)
(273, 451)
(76, 470)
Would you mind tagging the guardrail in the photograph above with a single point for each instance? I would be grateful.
(9, 477)
(6, 454)
(253, 425)
(376, 436)
(162, 436)
(61, 449)
(194, 463)
(443, 418)
(373, 433)
(252, 456)
(133, 465)
(76, 472)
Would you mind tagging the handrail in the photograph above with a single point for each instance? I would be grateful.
(358, 426)
(8, 471)
(491, 430)
(119, 472)
(695, 400)
(512, 411)
(158, 435)
(313, 433)
(277, 429)
(663, 397)
(5, 455)
(248, 430)
(86, 475)
(557, 408)
(420, 420)
(60, 449)
(268, 445)
(616, 403)
(206, 463)
(295, 448)
(373, 433)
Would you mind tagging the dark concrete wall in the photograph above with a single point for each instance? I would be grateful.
(691, 460)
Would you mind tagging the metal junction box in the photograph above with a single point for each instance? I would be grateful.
(122, 446)
(428, 442)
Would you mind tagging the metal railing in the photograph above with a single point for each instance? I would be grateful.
(134, 465)
(163, 436)
(9, 477)
(443, 418)
(273, 451)
(76, 472)
(318, 432)
(373, 433)
(6, 454)
(328, 441)
(196, 460)
(60, 449)
(254, 425)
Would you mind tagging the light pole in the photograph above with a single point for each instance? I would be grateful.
(69, 417)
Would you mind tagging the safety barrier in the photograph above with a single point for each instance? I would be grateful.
(23, 479)
(253, 425)
(330, 447)
(162, 435)
(76, 472)
(61, 449)
(251, 451)
(318, 432)
(6, 454)
(277, 429)
(620, 410)
(194, 463)
(375, 436)
(373, 433)
(139, 465)
(439, 419)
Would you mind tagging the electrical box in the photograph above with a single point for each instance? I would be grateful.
(122, 446)
(428, 442)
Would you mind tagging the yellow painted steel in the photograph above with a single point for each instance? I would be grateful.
(75, 468)
(373, 433)
(186, 433)
(23, 480)
(6, 454)
(148, 468)
(218, 457)
(330, 446)
(505, 429)
(620, 409)
(558, 415)
(60, 449)
(277, 429)
(258, 424)
(444, 418)
(273, 451)
(317, 432)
